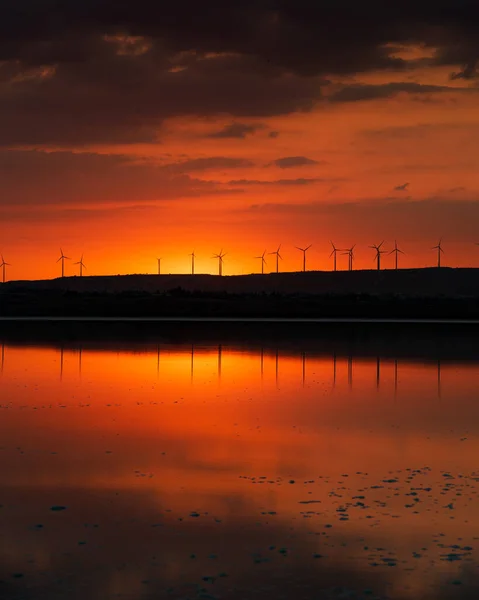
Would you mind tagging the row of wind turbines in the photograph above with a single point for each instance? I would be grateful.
(344, 251)
(349, 252)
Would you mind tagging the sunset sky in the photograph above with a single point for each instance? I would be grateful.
(134, 130)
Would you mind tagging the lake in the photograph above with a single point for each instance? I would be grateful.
(187, 464)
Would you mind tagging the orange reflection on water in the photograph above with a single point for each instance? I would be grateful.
(224, 431)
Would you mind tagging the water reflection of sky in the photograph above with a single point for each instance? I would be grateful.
(220, 471)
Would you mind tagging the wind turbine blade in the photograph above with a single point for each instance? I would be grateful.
(309, 246)
(332, 253)
(400, 251)
(302, 250)
(279, 255)
(60, 259)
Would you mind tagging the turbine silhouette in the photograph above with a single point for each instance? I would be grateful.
(304, 250)
(439, 250)
(378, 253)
(263, 261)
(159, 265)
(63, 258)
(3, 267)
(278, 256)
(350, 253)
(396, 251)
(334, 253)
(82, 266)
(220, 257)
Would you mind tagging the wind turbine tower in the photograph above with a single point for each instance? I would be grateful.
(193, 256)
(396, 252)
(3, 266)
(220, 257)
(350, 254)
(159, 265)
(334, 253)
(263, 261)
(278, 256)
(304, 250)
(378, 254)
(63, 258)
(439, 250)
(82, 266)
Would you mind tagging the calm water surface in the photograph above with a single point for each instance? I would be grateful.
(234, 472)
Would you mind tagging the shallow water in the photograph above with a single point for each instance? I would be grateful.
(200, 470)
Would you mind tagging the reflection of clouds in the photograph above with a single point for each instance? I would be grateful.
(135, 547)
(136, 540)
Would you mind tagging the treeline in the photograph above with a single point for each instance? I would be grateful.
(183, 303)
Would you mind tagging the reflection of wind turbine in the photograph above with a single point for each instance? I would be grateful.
(3, 265)
(439, 250)
(62, 258)
(378, 254)
(334, 253)
(159, 265)
(263, 261)
(278, 256)
(438, 377)
(350, 253)
(193, 255)
(304, 250)
(192, 364)
(82, 266)
(396, 251)
(220, 354)
(220, 257)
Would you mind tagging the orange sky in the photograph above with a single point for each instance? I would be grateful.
(399, 165)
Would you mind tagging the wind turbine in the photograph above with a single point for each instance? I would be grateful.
(193, 255)
(220, 257)
(396, 251)
(263, 261)
(159, 265)
(63, 258)
(334, 253)
(303, 250)
(278, 256)
(3, 265)
(378, 254)
(350, 253)
(82, 266)
(439, 250)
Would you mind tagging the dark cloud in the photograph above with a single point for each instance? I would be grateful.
(273, 134)
(359, 92)
(111, 71)
(468, 72)
(203, 164)
(295, 161)
(402, 187)
(68, 178)
(235, 130)
(299, 181)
